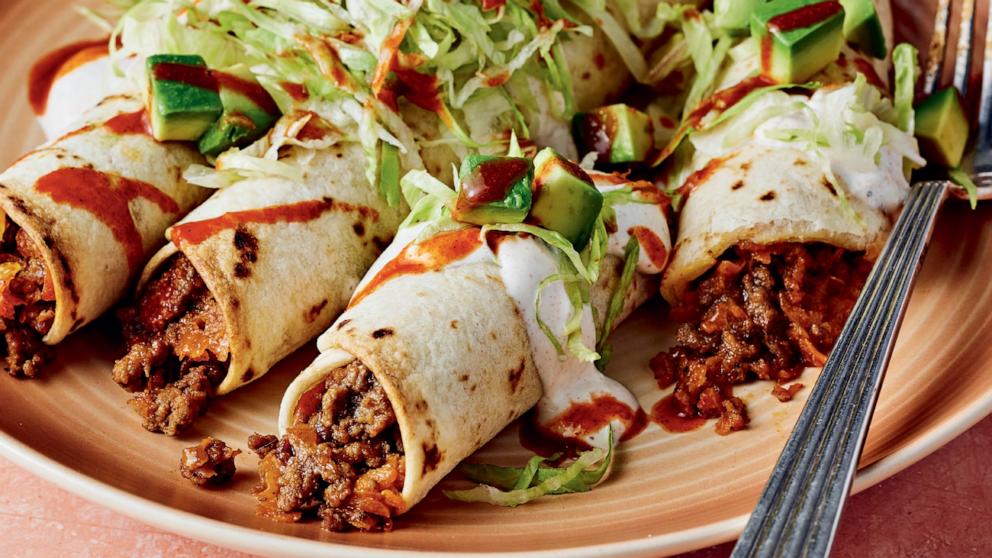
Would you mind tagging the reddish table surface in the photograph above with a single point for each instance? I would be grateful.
(942, 506)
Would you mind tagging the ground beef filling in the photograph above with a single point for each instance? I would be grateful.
(177, 349)
(342, 462)
(763, 312)
(27, 303)
(211, 462)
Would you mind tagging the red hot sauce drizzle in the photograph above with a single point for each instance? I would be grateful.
(196, 76)
(805, 16)
(669, 417)
(58, 63)
(490, 182)
(582, 419)
(720, 102)
(130, 123)
(196, 232)
(297, 91)
(253, 91)
(430, 255)
(652, 246)
(108, 198)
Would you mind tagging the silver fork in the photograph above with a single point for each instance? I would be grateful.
(800, 508)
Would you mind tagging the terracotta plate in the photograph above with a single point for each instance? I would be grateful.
(670, 493)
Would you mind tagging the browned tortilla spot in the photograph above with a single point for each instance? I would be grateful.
(343, 323)
(800, 163)
(235, 303)
(380, 243)
(737, 185)
(463, 378)
(454, 324)
(359, 229)
(382, 332)
(70, 285)
(314, 312)
(432, 457)
(247, 246)
(746, 166)
(830, 187)
(420, 405)
(769, 196)
(515, 374)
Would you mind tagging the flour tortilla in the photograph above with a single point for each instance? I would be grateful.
(88, 265)
(765, 195)
(451, 350)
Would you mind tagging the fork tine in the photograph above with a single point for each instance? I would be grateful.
(962, 62)
(984, 146)
(938, 43)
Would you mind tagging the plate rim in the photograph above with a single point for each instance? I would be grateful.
(255, 541)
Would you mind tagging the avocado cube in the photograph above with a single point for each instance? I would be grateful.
(942, 128)
(734, 16)
(863, 28)
(494, 190)
(798, 37)
(248, 114)
(565, 199)
(617, 133)
(183, 97)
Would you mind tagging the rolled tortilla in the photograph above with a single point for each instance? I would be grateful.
(282, 257)
(95, 203)
(776, 240)
(457, 348)
(765, 195)
(454, 384)
(67, 82)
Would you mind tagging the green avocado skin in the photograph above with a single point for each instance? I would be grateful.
(796, 54)
(863, 27)
(619, 134)
(180, 111)
(514, 206)
(942, 128)
(565, 199)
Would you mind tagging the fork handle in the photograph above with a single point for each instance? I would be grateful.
(800, 507)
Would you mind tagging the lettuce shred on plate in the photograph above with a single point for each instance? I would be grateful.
(513, 486)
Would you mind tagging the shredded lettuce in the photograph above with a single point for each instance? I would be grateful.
(624, 44)
(963, 179)
(631, 253)
(343, 53)
(513, 486)
(905, 59)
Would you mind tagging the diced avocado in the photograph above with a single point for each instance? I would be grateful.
(734, 16)
(618, 133)
(244, 120)
(565, 199)
(798, 37)
(183, 97)
(494, 190)
(863, 28)
(942, 128)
